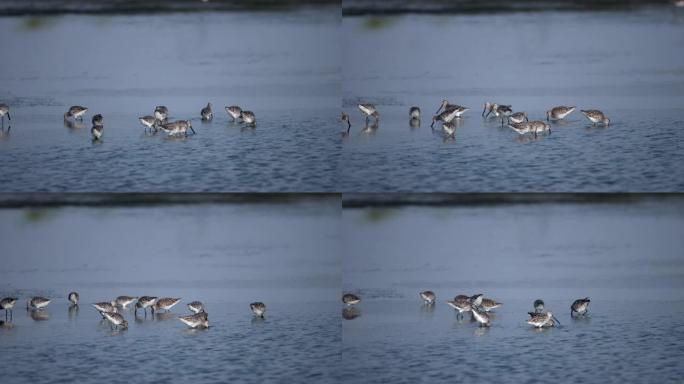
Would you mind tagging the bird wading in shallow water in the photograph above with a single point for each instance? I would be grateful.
(116, 320)
(414, 113)
(580, 307)
(350, 299)
(207, 113)
(178, 128)
(37, 302)
(596, 117)
(558, 113)
(428, 297)
(75, 112)
(258, 308)
(234, 111)
(369, 110)
(345, 118)
(7, 304)
(196, 307)
(198, 320)
(73, 298)
(248, 118)
(4, 110)
(540, 320)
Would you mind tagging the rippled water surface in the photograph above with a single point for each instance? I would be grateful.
(224, 256)
(624, 63)
(283, 66)
(626, 257)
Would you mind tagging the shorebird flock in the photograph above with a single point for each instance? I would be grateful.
(481, 308)
(158, 121)
(113, 311)
(449, 115)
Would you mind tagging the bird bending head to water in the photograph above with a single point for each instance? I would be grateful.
(179, 127)
(447, 116)
(73, 297)
(166, 303)
(482, 317)
(98, 120)
(558, 113)
(449, 129)
(596, 117)
(538, 126)
(149, 122)
(489, 304)
(414, 112)
(258, 308)
(540, 320)
(115, 319)
(145, 302)
(476, 300)
(428, 296)
(198, 320)
(103, 307)
(234, 111)
(196, 307)
(535, 126)
(521, 128)
(518, 117)
(248, 117)
(124, 301)
(461, 303)
(580, 307)
(207, 113)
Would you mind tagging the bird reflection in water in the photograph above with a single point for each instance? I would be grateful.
(40, 315)
(370, 128)
(350, 313)
(73, 311)
(74, 124)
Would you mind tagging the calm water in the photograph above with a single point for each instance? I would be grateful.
(224, 255)
(283, 66)
(626, 257)
(625, 63)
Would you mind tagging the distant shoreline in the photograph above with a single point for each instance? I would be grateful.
(392, 200)
(48, 200)
(111, 7)
(399, 7)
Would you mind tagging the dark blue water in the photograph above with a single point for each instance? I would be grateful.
(223, 255)
(281, 65)
(626, 64)
(626, 257)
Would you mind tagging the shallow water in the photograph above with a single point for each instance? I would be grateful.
(626, 257)
(281, 65)
(624, 63)
(223, 255)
